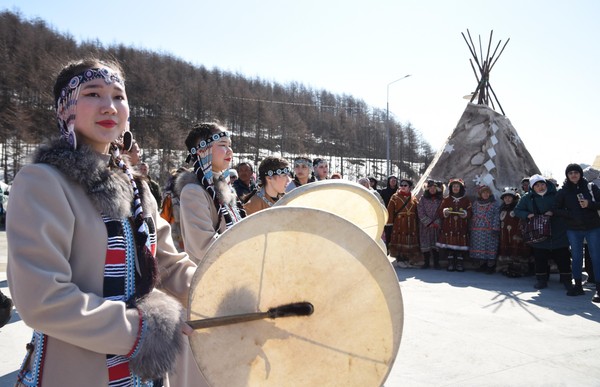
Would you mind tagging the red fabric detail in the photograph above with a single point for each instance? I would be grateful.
(114, 257)
(118, 371)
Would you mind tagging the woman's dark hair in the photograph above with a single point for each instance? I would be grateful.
(270, 163)
(201, 132)
(77, 67)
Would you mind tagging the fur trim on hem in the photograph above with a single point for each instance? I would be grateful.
(163, 338)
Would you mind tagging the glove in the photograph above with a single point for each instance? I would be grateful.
(446, 212)
(463, 214)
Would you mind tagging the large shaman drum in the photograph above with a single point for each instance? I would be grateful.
(283, 255)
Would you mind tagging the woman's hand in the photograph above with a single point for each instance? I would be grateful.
(187, 330)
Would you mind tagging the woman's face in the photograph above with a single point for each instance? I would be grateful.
(432, 190)
(393, 182)
(539, 187)
(404, 187)
(222, 154)
(455, 188)
(508, 199)
(574, 176)
(102, 113)
(322, 170)
(485, 195)
(301, 171)
(278, 182)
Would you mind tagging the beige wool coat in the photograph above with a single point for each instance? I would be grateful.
(57, 245)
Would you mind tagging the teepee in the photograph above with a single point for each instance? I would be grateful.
(484, 148)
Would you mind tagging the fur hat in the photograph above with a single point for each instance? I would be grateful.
(574, 167)
(536, 179)
(482, 188)
(459, 181)
(510, 191)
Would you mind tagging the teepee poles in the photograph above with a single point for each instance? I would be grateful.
(484, 65)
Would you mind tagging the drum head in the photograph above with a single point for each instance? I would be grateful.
(282, 255)
(349, 200)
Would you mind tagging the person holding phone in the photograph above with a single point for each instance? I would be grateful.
(578, 202)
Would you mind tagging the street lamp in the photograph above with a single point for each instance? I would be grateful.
(387, 124)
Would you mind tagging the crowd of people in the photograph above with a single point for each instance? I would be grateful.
(97, 272)
(489, 232)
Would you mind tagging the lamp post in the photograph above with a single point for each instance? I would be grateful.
(387, 124)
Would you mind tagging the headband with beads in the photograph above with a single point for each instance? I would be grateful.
(66, 104)
(205, 144)
(303, 161)
(278, 171)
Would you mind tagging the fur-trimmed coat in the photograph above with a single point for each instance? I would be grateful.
(201, 224)
(57, 247)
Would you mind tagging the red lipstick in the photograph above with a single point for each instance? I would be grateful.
(107, 123)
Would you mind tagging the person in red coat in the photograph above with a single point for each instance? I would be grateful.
(455, 212)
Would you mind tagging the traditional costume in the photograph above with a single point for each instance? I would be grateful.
(455, 212)
(514, 256)
(402, 216)
(485, 230)
(429, 223)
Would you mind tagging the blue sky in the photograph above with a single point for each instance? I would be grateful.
(546, 80)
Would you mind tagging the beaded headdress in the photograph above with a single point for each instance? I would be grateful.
(66, 104)
(201, 155)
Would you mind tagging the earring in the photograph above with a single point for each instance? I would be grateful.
(127, 140)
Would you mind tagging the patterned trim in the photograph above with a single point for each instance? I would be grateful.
(119, 285)
(261, 194)
(31, 376)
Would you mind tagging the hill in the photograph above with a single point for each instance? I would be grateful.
(168, 95)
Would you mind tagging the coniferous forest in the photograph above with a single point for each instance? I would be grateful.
(168, 95)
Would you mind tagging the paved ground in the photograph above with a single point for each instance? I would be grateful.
(461, 329)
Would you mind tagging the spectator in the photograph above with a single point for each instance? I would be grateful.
(366, 183)
(233, 175)
(386, 195)
(540, 200)
(244, 184)
(578, 202)
(133, 154)
(154, 187)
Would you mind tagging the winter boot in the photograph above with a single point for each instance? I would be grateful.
(436, 260)
(576, 290)
(459, 264)
(542, 281)
(566, 280)
(451, 266)
(426, 258)
(596, 297)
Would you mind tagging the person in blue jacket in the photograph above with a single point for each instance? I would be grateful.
(540, 200)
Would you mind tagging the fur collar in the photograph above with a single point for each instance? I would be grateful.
(222, 188)
(109, 189)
